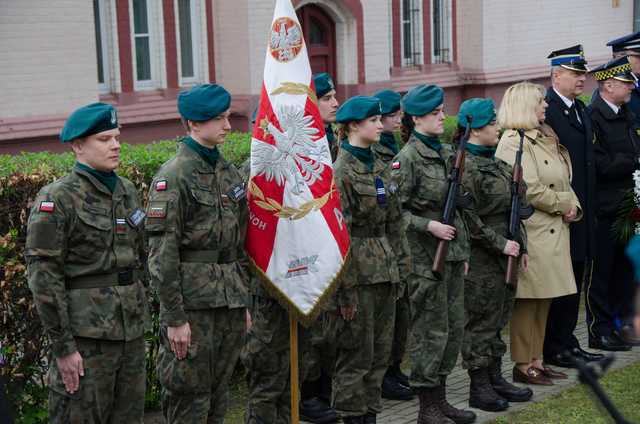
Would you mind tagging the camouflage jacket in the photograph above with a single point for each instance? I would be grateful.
(421, 174)
(488, 180)
(385, 154)
(379, 248)
(196, 226)
(78, 235)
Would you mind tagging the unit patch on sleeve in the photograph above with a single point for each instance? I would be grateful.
(48, 207)
(395, 165)
(161, 185)
(157, 210)
(237, 192)
(136, 218)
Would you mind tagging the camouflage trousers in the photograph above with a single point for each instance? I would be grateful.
(488, 303)
(363, 349)
(112, 389)
(266, 358)
(401, 328)
(195, 389)
(437, 324)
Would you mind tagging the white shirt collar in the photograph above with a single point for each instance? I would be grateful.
(613, 107)
(566, 100)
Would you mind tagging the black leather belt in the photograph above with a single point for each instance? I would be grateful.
(95, 281)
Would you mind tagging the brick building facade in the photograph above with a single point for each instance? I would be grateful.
(138, 54)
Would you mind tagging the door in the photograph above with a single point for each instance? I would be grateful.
(320, 35)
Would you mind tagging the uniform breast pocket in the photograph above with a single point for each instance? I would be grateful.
(204, 208)
(493, 183)
(367, 197)
(92, 231)
(431, 187)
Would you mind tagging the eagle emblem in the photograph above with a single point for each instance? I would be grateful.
(296, 157)
(286, 39)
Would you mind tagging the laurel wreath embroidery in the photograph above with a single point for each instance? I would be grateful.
(296, 88)
(287, 212)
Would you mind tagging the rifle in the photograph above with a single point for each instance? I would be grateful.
(516, 214)
(449, 211)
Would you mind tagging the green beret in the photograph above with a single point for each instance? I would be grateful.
(422, 99)
(203, 102)
(390, 101)
(482, 112)
(89, 120)
(323, 84)
(358, 108)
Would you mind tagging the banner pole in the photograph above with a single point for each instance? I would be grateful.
(293, 349)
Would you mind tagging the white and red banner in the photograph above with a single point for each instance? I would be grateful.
(296, 234)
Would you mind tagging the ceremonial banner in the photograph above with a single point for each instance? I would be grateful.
(296, 235)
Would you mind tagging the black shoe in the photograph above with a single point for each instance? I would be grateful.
(609, 343)
(481, 393)
(580, 353)
(399, 375)
(316, 411)
(510, 392)
(459, 416)
(369, 418)
(560, 360)
(393, 389)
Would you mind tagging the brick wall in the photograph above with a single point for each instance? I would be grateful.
(47, 57)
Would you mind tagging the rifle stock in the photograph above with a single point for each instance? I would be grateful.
(449, 210)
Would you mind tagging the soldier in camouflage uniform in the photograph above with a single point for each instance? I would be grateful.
(364, 320)
(196, 224)
(328, 105)
(488, 300)
(84, 254)
(437, 307)
(395, 384)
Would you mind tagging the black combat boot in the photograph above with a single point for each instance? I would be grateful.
(316, 411)
(505, 389)
(369, 418)
(392, 387)
(353, 420)
(400, 376)
(459, 416)
(429, 412)
(482, 395)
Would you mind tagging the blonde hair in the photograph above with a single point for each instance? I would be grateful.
(518, 107)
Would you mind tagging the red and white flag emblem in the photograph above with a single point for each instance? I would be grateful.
(296, 235)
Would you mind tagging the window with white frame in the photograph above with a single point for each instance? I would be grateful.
(411, 32)
(145, 19)
(441, 31)
(189, 31)
(102, 27)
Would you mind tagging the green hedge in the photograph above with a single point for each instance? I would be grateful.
(22, 342)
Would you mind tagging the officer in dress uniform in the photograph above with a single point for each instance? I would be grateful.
(85, 257)
(196, 226)
(617, 148)
(629, 46)
(567, 117)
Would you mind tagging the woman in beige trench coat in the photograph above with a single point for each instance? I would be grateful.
(547, 172)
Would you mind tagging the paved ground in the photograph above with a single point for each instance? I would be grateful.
(397, 412)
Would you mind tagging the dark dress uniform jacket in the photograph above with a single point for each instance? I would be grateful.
(617, 146)
(577, 137)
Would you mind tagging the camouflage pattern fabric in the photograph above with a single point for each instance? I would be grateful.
(488, 300)
(112, 389)
(77, 230)
(196, 226)
(195, 389)
(379, 256)
(437, 307)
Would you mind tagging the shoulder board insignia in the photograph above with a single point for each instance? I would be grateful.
(48, 207)
(161, 185)
(237, 192)
(395, 165)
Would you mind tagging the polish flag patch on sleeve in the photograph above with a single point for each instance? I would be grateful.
(48, 207)
(395, 165)
(161, 185)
